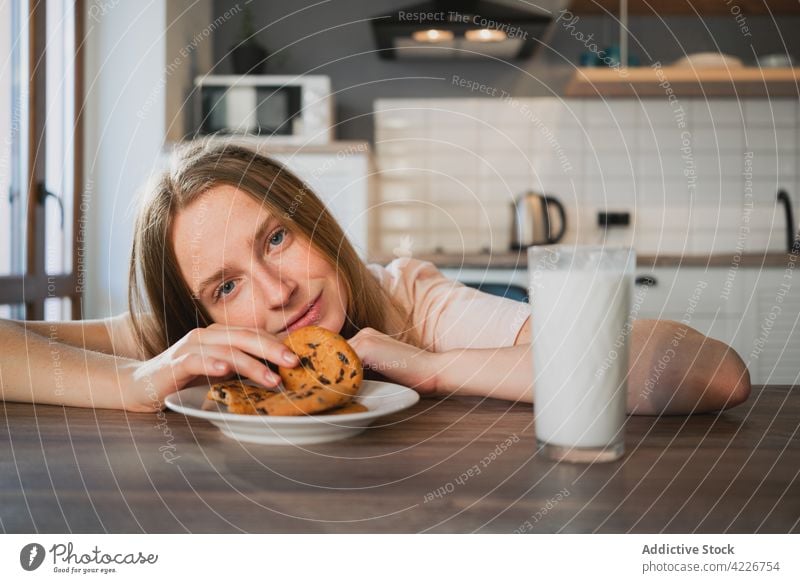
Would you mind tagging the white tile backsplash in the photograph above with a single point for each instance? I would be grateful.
(500, 165)
(717, 139)
(403, 216)
(402, 189)
(455, 112)
(715, 218)
(787, 165)
(670, 193)
(607, 165)
(765, 189)
(611, 113)
(660, 139)
(775, 112)
(505, 138)
(658, 113)
(506, 190)
(444, 138)
(727, 165)
(453, 164)
(771, 139)
(447, 191)
(407, 135)
(615, 194)
(716, 112)
(465, 160)
(759, 239)
(401, 118)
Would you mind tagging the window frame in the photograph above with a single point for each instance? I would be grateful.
(34, 285)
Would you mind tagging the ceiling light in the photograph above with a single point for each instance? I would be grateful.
(460, 29)
(485, 35)
(433, 35)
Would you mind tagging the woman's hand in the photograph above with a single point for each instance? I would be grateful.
(204, 355)
(397, 361)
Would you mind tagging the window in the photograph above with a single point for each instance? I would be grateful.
(40, 159)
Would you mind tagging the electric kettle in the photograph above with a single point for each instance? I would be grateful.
(533, 220)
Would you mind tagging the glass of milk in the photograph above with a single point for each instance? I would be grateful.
(580, 305)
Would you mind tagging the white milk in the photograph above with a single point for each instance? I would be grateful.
(580, 356)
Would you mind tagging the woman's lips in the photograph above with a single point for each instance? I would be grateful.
(311, 316)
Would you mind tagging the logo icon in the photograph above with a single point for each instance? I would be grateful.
(31, 556)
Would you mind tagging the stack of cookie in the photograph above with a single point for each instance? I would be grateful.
(329, 375)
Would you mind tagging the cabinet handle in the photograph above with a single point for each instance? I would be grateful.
(648, 280)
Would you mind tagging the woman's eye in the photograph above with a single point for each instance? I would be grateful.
(277, 237)
(225, 289)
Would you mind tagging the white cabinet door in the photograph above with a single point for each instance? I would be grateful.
(680, 293)
(708, 300)
(773, 315)
(754, 310)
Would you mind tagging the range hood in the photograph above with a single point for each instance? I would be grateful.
(451, 29)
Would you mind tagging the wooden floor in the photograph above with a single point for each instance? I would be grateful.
(438, 467)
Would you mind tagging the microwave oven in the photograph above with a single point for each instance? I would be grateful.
(282, 108)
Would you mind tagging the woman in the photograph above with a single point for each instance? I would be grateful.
(232, 252)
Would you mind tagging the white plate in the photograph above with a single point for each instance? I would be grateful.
(380, 398)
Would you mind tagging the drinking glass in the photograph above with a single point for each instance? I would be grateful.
(580, 306)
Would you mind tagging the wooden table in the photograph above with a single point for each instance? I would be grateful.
(428, 469)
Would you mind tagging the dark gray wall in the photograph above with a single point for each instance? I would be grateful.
(328, 39)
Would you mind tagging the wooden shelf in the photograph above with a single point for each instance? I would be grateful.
(685, 81)
(686, 7)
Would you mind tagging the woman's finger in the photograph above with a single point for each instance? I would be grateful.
(252, 341)
(217, 361)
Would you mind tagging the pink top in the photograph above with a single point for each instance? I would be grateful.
(446, 313)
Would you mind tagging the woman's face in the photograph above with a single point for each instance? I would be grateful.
(249, 270)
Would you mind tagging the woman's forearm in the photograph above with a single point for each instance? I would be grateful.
(673, 369)
(38, 369)
(110, 335)
(502, 373)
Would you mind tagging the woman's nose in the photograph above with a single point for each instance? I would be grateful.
(277, 289)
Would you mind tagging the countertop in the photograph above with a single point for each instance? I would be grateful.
(339, 147)
(514, 260)
(82, 470)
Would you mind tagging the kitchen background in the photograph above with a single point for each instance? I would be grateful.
(427, 152)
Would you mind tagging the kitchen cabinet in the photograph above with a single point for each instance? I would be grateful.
(772, 315)
(755, 310)
(708, 300)
(693, 8)
(685, 81)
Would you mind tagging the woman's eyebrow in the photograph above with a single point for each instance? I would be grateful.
(213, 278)
(261, 231)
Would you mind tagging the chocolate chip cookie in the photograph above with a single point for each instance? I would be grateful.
(239, 397)
(327, 361)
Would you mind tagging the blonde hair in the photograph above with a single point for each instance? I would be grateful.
(163, 308)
